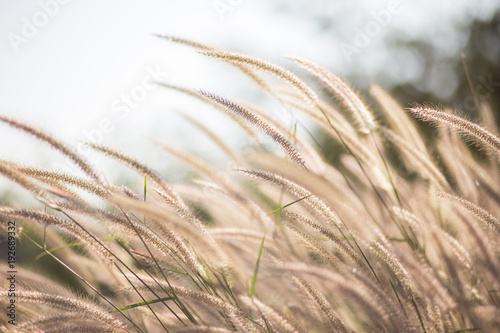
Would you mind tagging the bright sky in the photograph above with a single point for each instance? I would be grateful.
(68, 66)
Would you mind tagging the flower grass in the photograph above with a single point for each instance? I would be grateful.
(397, 233)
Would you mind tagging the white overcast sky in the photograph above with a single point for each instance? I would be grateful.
(69, 74)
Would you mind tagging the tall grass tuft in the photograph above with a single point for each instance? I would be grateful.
(391, 232)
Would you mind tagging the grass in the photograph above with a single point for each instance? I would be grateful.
(399, 234)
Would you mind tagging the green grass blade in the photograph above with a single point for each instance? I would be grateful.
(289, 204)
(54, 249)
(256, 271)
(135, 305)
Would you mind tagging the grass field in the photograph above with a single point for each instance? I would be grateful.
(361, 219)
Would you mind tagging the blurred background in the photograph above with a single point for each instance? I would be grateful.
(83, 70)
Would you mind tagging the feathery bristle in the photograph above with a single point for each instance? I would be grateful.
(264, 126)
(56, 144)
(479, 134)
(308, 94)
